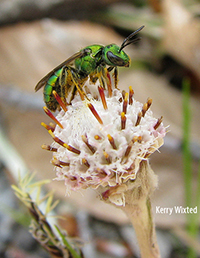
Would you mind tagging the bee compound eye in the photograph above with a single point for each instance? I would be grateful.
(115, 60)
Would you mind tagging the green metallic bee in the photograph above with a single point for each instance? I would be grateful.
(90, 62)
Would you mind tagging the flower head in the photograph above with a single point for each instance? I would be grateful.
(101, 141)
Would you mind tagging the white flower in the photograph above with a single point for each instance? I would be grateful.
(101, 141)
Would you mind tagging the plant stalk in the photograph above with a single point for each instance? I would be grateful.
(138, 209)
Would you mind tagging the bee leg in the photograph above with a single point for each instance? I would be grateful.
(110, 68)
(93, 78)
(116, 77)
(101, 76)
(106, 77)
(65, 82)
(78, 83)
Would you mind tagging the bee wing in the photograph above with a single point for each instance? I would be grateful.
(44, 80)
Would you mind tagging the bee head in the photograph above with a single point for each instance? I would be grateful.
(114, 55)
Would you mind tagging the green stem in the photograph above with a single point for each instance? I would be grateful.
(192, 219)
(187, 162)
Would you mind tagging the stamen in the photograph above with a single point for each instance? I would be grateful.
(49, 148)
(59, 163)
(123, 94)
(129, 147)
(55, 162)
(125, 103)
(112, 142)
(144, 109)
(72, 149)
(139, 139)
(48, 112)
(65, 145)
(138, 119)
(59, 100)
(94, 112)
(159, 121)
(52, 125)
(146, 106)
(64, 164)
(48, 127)
(97, 137)
(103, 99)
(107, 156)
(149, 102)
(131, 92)
(56, 139)
(123, 120)
(85, 162)
(85, 140)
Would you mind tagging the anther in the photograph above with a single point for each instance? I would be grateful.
(107, 157)
(59, 100)
(72, 149)
(48, 127)
(55, 162)
(123, 120)
(149, 102)
(139, 139)
(85, 140)
(56, 139)
(94, 112)
(123, 94)
(129, 147)
(59, 163)
(85, 162)
(48, 112)
(112, 142)
(125, 103)
(131, 92)
(97, 137)
(64, 164)
(144, 109)
(159, 121)
(103, 99)
(65, 145)
(146, 106)
(138, 119)
(49, 148)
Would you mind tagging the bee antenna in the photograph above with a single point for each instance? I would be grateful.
(129, 40)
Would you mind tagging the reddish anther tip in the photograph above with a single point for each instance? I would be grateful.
(94, 112)
(112, 141)
(72, 149)
(131, 93)
(103, 99)
(159, 121)
(48, 112)
(123, 121)
(125, 103)
(59, 100)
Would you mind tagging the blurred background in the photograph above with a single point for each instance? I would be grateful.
(36, 36)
